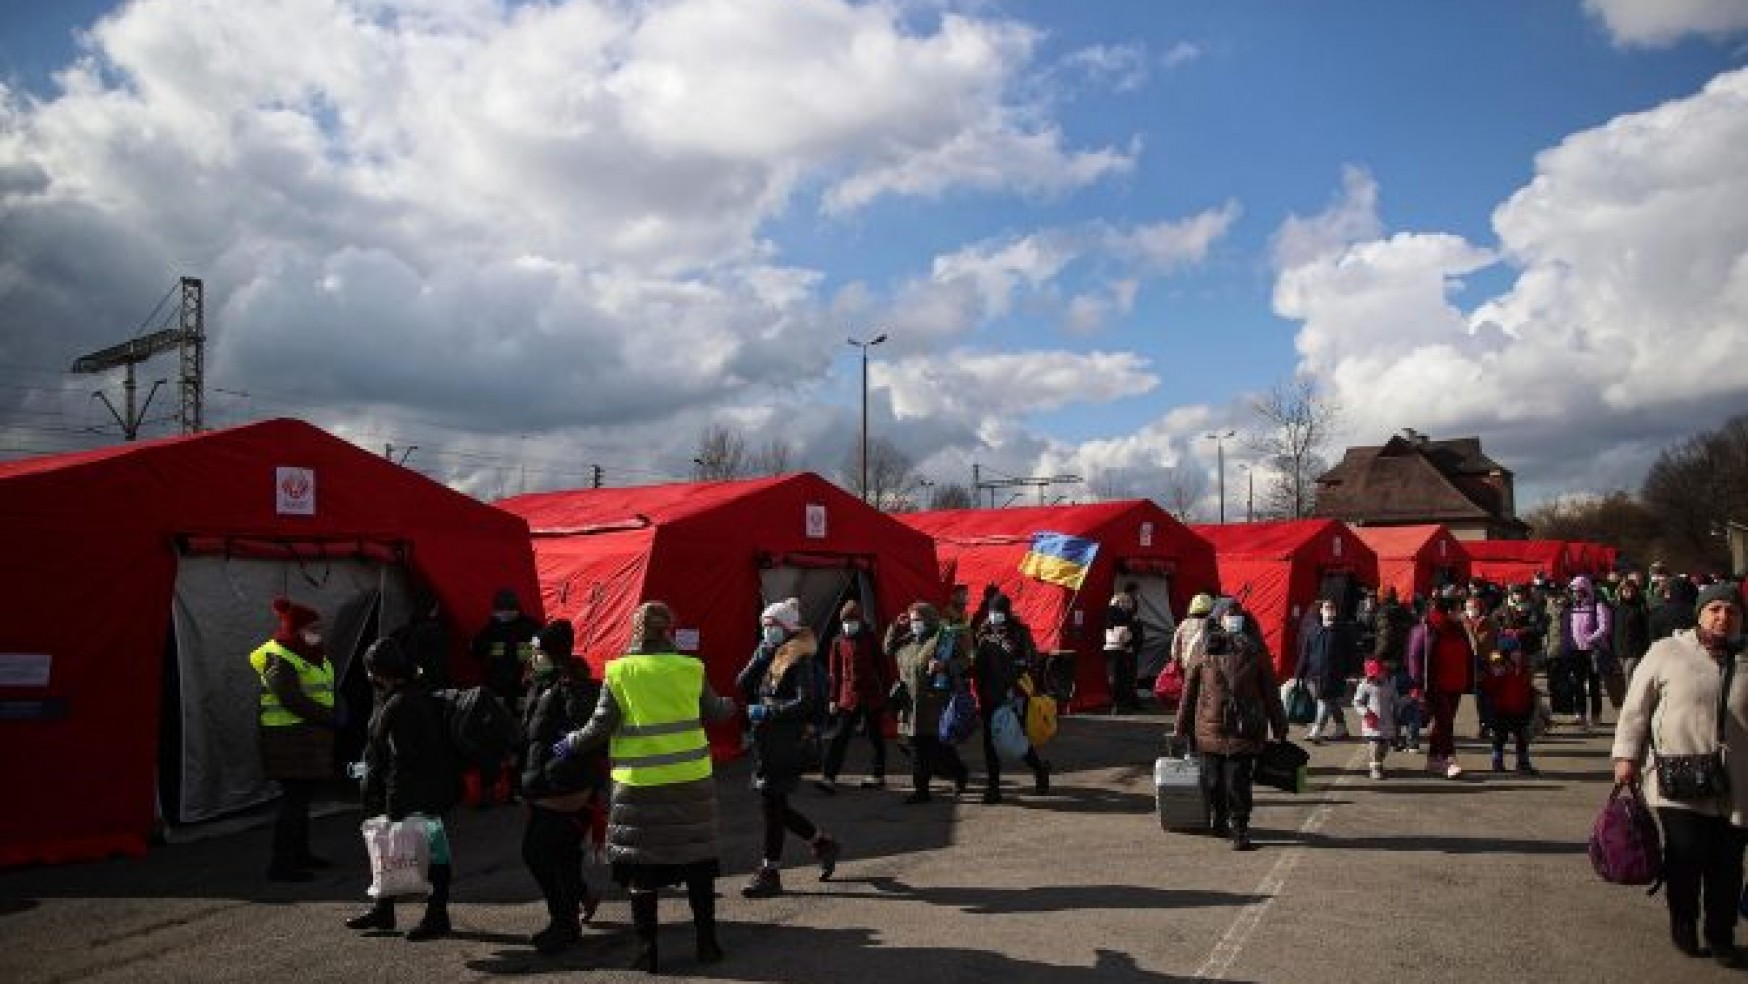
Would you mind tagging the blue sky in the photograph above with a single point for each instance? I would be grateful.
(1093, 232)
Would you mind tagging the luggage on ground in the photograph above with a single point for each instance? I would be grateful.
(1178, 794)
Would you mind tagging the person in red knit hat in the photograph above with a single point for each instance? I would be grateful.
(296, 731)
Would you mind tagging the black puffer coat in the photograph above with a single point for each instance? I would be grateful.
(410, 765)
(552, 712)
(791, 710)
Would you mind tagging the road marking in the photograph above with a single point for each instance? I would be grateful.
(1232, 942)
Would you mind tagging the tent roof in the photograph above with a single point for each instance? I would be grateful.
(948, 525)
(1402, 541)
(1279, 540)
(1528, 551)
(661, 505)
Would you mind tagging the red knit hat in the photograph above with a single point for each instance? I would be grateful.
(293, 617)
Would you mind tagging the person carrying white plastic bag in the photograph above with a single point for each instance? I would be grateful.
(412, 777)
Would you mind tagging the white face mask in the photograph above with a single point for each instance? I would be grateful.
(506, 616)
(851, 628)
(1233, 624)
(1472, 612)
(1328, 618)
(774, 635)
(919, 628)
(997, 618)
(312, 637)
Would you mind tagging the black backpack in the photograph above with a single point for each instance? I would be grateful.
(481, 729)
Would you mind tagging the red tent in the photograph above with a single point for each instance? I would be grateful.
(137, 578)
(1280, 569)
(1591, 559)
(1518, 561)
(1138, 541)
(717, 552)
(1416, 560)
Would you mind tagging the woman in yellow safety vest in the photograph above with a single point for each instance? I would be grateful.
(296, 731)
(661, 827)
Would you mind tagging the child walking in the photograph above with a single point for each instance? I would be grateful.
(1375, 699)
(1512, 694)
(1408, 712)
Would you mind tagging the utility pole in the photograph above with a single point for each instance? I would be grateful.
(189, 336)
(863, 457)
(1039, 482)
(595, 473)
(1220, 456)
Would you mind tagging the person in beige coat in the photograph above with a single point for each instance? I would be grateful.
(1672, 707)
(931, 664)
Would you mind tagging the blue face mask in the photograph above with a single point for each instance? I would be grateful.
(851, 628)
(774, 635)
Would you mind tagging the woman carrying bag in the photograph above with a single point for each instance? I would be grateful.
(1687, 710)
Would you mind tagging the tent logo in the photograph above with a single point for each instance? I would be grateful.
(1147, 534)
(296, 492)
(815, 521)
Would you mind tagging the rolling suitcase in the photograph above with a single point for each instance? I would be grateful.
(1177, 791)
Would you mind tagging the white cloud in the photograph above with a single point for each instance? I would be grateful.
(1351, 218)
(1164, 246)
(1662, 22)
(1122, 67)
(1624, 323)
(1182, 54)
(975, 387)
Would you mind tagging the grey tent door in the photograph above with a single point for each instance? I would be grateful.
(1158, 624)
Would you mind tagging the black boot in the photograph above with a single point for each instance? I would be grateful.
(701, 893)
(381, 915)
(643, 921)
(1041, 778)
(1219, 825)
(764, 884)
(436, 919)
(1241, 836)
(1685, 936)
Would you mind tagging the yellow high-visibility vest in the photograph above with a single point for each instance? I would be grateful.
(660, 741)
(317, 682)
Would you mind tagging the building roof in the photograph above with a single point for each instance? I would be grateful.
(1415, 480)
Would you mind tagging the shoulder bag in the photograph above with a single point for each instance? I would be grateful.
(1686, 778)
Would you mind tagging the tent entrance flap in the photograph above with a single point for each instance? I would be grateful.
(822, 592)
(221, 613)
(1157, 624)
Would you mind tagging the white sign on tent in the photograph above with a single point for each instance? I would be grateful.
(295, 491)
(815, 521)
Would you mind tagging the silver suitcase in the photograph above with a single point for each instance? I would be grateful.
(1177, 786)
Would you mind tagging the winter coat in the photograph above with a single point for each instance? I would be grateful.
(549, 713)
(410, 765)
(1326, 655)
(674, 824)
(1002, 653)
(1483, 636)
(1239, 667)
(1394, 622)
(1120, 617)
(923, 712)
(503, 647)
(1511, 696)
(791, 712)
(1189, 642)
(1439, 657)
(1632, 629)
(1376, 700)
(1674, 698)
(860, 672)
(297, 751)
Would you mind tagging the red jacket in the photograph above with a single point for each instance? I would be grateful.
(861, 674)
(1511, 693)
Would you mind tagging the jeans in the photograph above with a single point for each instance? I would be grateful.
(1518, 732)
(781, 819)
(1589, 683)
(1702, 852)
(1226, 781)
(1329, 710)
(844, 726)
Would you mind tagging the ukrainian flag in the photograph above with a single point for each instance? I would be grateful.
(1059, 559)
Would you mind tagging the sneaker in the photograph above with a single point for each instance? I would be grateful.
(874, 782)
(765, 883)
(586, 906)
(826, 786)
(1414, 746)
(1376, 770)
(380, 916)
(1313, 736)
(959, 785)
(1453, 770)
(556, 938)
(1526, 769)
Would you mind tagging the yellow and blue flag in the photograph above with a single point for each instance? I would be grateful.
(1059, 559)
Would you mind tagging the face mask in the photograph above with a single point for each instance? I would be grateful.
(1472, 612)
(919, 628)
(1328, 618)
(774, 635)
(544, 670)
(997, 618)
(851, 628)
(1233, 624)
(509, 616)
(312, 638)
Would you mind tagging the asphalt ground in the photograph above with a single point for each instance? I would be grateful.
(1413, 878)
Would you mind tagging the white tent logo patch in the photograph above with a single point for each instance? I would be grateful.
(295, 492)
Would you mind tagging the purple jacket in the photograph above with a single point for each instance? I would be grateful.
(1588, 625)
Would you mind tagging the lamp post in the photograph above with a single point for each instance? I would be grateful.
(1220, 459)
(1249, 492)
(862, 458)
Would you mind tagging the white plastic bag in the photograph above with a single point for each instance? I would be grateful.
(400, 856)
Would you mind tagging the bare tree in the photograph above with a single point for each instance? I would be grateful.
(772, 458)
(721, 454)
(1297, 424)
(892, 479)
(951, 496)
(1694, 488)
(1181, 489)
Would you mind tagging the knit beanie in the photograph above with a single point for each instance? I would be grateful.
(1721, 591)
(850, 611)
(786, 613)
(293, 619)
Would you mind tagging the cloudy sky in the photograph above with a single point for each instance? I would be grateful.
(534, 237)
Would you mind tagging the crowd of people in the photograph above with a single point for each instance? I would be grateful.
(626, 760)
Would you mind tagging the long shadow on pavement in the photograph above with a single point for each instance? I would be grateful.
(1065, 898)
(779, 953)
(1421, 844)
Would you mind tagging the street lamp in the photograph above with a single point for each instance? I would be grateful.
(863, 457)
(1249, 492)
(1220, 457)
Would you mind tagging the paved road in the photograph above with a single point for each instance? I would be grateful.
(1414, 879)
